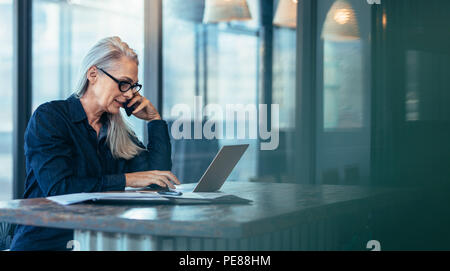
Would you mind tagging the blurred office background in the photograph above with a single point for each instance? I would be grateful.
(362, 88)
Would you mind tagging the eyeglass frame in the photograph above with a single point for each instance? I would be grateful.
(119, 82)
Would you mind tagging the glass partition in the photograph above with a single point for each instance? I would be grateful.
(343, 90)
(218, 76)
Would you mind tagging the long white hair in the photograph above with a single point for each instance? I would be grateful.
(105, 55)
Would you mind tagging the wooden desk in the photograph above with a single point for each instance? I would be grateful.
(282, 216)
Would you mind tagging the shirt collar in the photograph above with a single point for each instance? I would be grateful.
(104, 130)
(76, 109)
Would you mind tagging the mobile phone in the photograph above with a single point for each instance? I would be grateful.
(129, 110)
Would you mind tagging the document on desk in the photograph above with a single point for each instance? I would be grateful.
(81, 197)
(206, 197)
(148, 197)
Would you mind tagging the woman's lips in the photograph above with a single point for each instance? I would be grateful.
(118, 103)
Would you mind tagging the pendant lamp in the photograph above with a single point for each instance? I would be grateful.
(286, 14)
(341, 23)
(225, 10)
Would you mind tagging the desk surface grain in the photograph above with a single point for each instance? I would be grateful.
(274, 206)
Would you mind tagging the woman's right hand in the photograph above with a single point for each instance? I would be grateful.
(146, 178)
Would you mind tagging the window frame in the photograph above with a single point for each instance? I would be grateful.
(22, 88)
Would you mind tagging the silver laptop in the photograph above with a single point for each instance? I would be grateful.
(218, 171)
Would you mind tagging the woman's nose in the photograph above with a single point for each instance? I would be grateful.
(129, 94)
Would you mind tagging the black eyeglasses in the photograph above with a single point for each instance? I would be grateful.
(124, 86)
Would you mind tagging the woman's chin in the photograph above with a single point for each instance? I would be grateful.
(114, 110)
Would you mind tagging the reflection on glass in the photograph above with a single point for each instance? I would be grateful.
(281, 163)
(342, 78)
(283, 72)
(63, 33)
(233, 80)
(412, 86)
(220, 64)
(343, 127)
(426, 78)
(219, 68)
(6, 92)
(343, 86)
(384, 20)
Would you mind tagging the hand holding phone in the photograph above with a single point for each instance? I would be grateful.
(129, 110)
(143, 107)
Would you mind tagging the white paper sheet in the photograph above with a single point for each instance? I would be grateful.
(141, 195)
(80, 197)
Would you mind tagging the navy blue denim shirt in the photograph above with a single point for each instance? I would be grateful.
(64, 155)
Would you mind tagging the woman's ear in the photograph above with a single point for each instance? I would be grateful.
(92, 74)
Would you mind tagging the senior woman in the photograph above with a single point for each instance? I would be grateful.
(82, 144)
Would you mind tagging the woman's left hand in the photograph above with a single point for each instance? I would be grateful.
(145, 109)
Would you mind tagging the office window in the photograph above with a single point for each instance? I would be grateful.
(221, 63)
(233, 80)
(343, 92)
(6, 92)
(343, 89)
(284, 44)
(282, 162)
(64, 31)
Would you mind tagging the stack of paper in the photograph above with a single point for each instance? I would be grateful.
(146, 196)
(81, 197)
